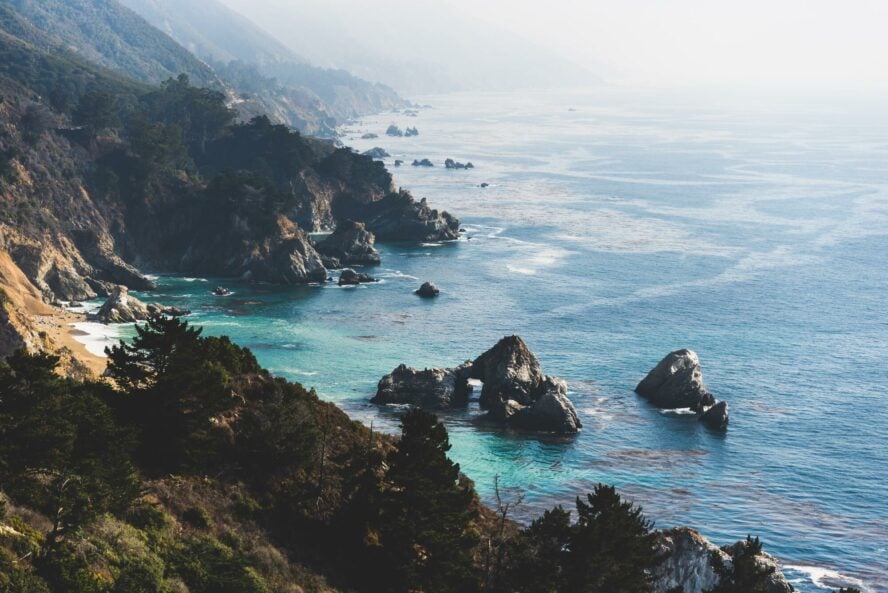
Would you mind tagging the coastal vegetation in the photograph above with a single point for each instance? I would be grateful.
(194, 469)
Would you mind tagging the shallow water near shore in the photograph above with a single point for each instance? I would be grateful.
(609, 235)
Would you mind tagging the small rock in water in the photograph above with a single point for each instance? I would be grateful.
(427, 290)
(376, 153)
(485, 184)
(349, 277)
(221, 291)
(423, 163)
(451, 164)
(716, 416)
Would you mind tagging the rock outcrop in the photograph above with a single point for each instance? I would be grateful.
(376, 153)
(423, 163)
(716, 416)
(350, 244)
(399, 217)
(393, 130)
(688, 563)
(349, 277)
(515, 393)
(369, 136)
(428, 388)
(451, 164)
(427, 290)
(121, 307)
(285, 257)
(676, 382)
(551, 412)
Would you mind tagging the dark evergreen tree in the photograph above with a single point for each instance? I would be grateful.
(744, 574)
(535, 562)
(179, 389)
(60, 448)
(97, 111)
(426, 524)
(612, 546)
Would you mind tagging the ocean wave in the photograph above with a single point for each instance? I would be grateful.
(824, 578)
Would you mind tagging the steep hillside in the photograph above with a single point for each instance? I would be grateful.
(100, 176)
(108, 34)
(282, 83)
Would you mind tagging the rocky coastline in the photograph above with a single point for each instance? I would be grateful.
(515, 393)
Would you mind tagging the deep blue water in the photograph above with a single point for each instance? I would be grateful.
(754, 233)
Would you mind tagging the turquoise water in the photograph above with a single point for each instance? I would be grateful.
(611, 234)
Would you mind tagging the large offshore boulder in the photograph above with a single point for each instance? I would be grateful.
(121, 307)
(676, 382)
(515, 390)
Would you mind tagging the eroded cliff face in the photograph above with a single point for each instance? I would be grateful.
(86, 209)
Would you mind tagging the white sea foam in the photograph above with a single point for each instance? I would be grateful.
(826, 578)
(678, 411)
(96, 336)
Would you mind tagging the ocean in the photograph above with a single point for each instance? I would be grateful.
(618, 226)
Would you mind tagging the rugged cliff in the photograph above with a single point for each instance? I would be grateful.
(112, 177)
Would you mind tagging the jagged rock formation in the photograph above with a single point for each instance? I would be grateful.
(451, 164)
(411, 132)
(350, 244)
(515, 392)
(423, 163)
(376, 153)
(676, 382)
(399, 217)
(121, 307)
(688, 563)
(429, 388)
(394, 130)
(551, 412)
(349, 277)
(716, 416)
(427, 290)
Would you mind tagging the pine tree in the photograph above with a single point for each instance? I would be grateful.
(744, 574)
(536, 561)
(612, 547)
(427, 513)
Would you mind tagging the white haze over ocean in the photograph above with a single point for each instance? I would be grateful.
(441, 45)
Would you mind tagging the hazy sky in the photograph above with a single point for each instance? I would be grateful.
(746, 41)
(836, 43)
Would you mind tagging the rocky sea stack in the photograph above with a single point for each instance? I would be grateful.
(515, 391)
(122, 307)
(349, 277)
(350, 244)
(427, 290)
(677, 382)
